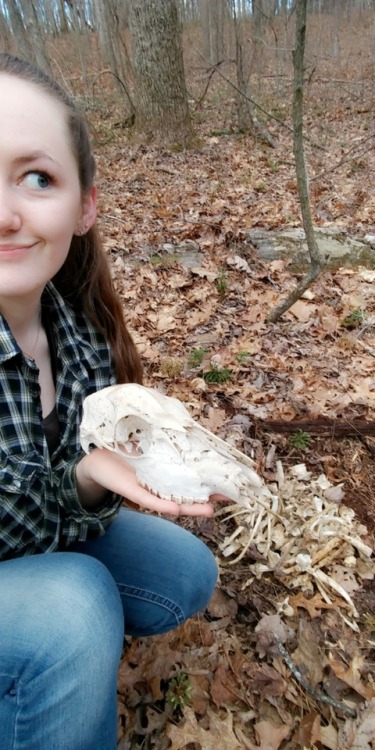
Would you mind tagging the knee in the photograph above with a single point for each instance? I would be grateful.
(61, 635)
(202, 578)
(79, 609)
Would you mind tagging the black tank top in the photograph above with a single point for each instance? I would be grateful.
(51, 424)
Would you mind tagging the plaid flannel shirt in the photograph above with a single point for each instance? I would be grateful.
(40, 509)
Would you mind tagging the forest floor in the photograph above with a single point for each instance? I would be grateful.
(203, 336)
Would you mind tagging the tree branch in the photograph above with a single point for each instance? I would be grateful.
(301, 170)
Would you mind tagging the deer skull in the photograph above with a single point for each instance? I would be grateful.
(173, 456)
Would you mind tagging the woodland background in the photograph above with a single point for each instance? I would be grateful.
(195, 150)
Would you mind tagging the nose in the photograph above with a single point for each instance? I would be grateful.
(10, 217)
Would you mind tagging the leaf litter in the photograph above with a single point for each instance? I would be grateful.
(274, 662)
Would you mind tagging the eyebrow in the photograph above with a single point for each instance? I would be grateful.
(34, 156)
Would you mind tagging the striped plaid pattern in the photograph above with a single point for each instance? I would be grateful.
(39, 506)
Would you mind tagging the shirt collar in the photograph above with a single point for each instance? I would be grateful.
(67, 334)
(8, 345)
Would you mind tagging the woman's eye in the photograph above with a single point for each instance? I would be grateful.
(37, 180)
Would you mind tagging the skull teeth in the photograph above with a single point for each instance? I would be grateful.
(174, 498)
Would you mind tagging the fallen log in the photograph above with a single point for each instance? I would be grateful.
(322, 426)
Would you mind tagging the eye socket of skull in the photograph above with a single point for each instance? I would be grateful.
(133, 436)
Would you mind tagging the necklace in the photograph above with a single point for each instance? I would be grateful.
(32, 352)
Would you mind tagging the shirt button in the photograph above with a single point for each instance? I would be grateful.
(17, 483)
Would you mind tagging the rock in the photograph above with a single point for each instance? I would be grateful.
(336, 247)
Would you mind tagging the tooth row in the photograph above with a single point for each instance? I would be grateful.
(174, 498)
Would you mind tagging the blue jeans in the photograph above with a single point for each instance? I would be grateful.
(62, 625)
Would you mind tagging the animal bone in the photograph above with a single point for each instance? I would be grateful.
(173, 456)
(295, 530)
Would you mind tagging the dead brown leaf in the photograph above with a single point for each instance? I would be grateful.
(352, 676)
(314, 605)
(224, 687)
(359, 734)
(309, 731)
(220, 733)
(269, 736)
(147, 661)
(309, 655)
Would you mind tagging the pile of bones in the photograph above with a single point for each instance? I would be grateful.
(298, 527)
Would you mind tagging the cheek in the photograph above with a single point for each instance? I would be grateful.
(59, 222)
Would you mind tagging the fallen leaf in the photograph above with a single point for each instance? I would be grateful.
(268, 736)
(270, 630)
(367, 275)
(219, 735)
(335, 494)
(329, 737)
(357, 734)
(265, 681)
(240, 264)
(313, 605)
(309, 730)
(147, 662)
(345, 577)
(352, 677)
(222, 605)
(303, 311)
(308, 655)
(200, 695)
(224, 688)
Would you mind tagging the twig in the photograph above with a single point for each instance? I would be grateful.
(258, 106)
(114, 218)
(202, 97)
(370, 350)
(317, 695)
(110, 72)
(172, 172)
(199, 222)
(346, 158)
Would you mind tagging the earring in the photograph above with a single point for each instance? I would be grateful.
(81, 230)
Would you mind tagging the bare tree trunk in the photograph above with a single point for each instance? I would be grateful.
(247, 118)
(336, 31)
(36, 35)
(23, 44)
(217, 26)
(5, 32)
(161, 102)
(63, 21)
(301, 172)
(243, 113)
(108, 31)
(206, 28)
(213, 14)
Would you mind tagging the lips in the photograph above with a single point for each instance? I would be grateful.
(14, 251)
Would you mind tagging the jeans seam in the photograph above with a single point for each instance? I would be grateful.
(151, 596)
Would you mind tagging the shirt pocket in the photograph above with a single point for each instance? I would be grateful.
(22, 503)
(20, 473)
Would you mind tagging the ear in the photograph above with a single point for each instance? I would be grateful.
(88, 215)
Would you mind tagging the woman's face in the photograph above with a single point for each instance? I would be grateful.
(41, 204)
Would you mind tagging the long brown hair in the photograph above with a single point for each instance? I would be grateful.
(85, 279)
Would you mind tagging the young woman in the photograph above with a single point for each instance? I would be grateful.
(73, 565)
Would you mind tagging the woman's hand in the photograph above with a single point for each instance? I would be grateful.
(102, 470)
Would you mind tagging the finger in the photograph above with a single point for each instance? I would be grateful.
(196, 509)
(147, 500)
(170, 507)
(217, 498)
